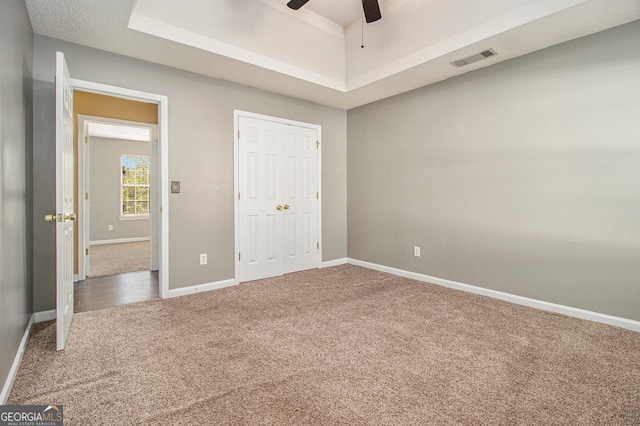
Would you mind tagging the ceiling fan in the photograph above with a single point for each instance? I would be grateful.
(371, 8)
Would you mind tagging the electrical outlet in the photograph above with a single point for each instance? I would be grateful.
(203, 259)
(110, 227)
(416, 251)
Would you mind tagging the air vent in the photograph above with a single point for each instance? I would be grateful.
(473, 58)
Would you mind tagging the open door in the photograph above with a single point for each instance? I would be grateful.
(65, 209)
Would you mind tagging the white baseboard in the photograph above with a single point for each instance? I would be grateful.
(16, 363)
(176, 292)
(520, 300)
(336, 262)
(44, 316)
(119, 241)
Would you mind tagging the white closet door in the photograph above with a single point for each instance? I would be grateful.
(259, 180)
(278, 198)
(300, 177)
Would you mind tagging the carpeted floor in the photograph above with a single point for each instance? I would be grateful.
(110, 259)
(342, 345)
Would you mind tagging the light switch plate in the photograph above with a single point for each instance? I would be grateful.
(175, 186)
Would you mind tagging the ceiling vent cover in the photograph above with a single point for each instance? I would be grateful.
(474, 58)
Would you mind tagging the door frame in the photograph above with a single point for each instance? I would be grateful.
(83, 172)
(163, 153)
(236, 211)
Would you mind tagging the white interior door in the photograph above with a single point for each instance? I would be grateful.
(278, 202)
(65, 209)
(260, 216)
(300, 176)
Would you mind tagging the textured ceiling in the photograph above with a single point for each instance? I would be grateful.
(315, 53)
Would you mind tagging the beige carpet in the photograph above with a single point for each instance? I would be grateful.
(110, 259)
(342, 345)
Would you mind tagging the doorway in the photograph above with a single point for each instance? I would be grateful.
(152, 282)
(118, 176)
(277, 181)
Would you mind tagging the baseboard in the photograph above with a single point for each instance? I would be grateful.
(44, 316)
(520, 300)
(16, 362)
(118, 241)
(336, 262)
(176, 292)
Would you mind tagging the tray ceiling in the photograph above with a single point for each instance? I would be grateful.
(315, 53)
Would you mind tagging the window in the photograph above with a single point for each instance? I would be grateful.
(134, 186)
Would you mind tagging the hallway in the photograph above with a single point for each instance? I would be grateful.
(114, 290)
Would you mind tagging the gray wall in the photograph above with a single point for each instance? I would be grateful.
(200, 156)
(16, 144)
(523, 177)
(104, 180)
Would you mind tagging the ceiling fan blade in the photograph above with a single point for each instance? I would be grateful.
(371, 10)
(297, 4)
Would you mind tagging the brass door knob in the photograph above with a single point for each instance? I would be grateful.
(73, 216)
(50, 218)
(286, 206)
(279, 207)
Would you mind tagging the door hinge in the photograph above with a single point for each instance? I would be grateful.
(86, 139)
(86, 195)
(317, 144)
(238, 195)
(318, 246)
(86, 252)
(238, 256)
(238, 134)
(317, 195)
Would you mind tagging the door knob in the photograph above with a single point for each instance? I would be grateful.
(279, 207)
(286, 206)
(60, 217)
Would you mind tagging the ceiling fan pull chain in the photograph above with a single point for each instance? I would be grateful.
(362, 30)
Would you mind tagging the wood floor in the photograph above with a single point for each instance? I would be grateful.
(114, 290)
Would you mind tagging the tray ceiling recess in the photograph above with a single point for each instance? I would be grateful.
(315, 53)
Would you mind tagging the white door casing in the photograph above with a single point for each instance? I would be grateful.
(163, 169)
(277, 208)
(65, 211)
(84, 189)
(154, 214)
